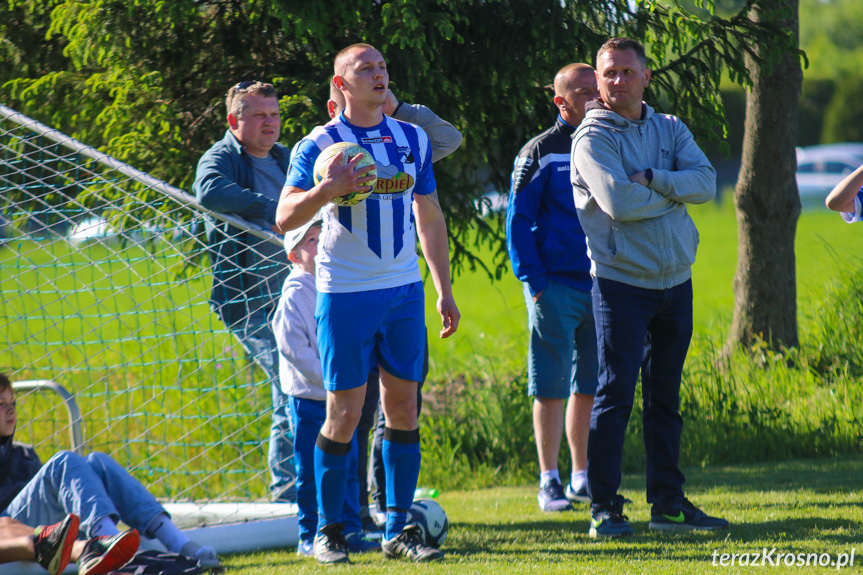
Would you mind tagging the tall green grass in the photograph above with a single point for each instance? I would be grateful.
(753, 405)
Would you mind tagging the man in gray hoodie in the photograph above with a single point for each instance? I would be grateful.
(633, 171)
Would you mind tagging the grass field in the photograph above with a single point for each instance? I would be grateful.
(800, 506)
(189, 403)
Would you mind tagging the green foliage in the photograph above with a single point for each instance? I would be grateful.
(842, 116)
(831, 32)
(478, 430)
(814, 105)
(144, 80)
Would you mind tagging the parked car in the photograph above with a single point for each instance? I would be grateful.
(820, 168)
(92, 229)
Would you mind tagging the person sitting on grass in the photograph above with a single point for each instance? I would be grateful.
(301, 375)
(54, 546)
(96, 488)
(847, 197)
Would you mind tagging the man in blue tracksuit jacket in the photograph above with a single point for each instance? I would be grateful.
(548, 251)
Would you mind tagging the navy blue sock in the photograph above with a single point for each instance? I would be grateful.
(331, 476)
(401, 454)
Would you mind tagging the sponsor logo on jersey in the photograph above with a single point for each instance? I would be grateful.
(377, 196)
(563, 168)
(400, 183)
(378, 140)
(406, 155)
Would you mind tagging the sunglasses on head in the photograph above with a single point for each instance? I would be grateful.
(244, 85)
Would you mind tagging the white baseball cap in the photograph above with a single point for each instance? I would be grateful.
(294, 237)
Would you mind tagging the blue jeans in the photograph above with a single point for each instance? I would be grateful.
(92, 488)
(561, 357)
(257, 338)
(309, 416)
(648, 331)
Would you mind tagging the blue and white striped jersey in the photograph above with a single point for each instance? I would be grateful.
(371, 245)
(857, 214)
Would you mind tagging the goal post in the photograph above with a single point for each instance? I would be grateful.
(105, 281)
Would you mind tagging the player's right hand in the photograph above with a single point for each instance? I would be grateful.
(346, 179)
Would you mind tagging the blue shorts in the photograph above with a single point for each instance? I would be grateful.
(359, 330)
(562, 350)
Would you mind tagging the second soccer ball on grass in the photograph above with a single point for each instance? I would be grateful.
(432, 521)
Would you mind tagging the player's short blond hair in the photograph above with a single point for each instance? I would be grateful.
(235, 101)
(342, 57)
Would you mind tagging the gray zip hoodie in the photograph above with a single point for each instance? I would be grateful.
(641, 236)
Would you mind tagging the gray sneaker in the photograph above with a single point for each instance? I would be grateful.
(409, 544)
(579, 496)
(552, 498)
(330, 545)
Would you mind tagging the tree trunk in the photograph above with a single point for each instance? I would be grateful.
(766, 198)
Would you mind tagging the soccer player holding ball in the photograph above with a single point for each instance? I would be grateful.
(370, 306)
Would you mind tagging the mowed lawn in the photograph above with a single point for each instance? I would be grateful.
(809, 507)
(494, 318)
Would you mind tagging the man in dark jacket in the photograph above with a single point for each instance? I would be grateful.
(243, 174)
(548, 252)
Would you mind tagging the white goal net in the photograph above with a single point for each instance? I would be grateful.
(105, 281)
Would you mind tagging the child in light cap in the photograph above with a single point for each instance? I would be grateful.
(302, 379)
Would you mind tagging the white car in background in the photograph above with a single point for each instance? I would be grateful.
(820, 168)
(92, 229)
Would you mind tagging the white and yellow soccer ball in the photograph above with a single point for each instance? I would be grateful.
(350, 150)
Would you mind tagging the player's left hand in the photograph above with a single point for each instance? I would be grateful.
(449, 315)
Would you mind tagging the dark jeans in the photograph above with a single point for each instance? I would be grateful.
(648, 331)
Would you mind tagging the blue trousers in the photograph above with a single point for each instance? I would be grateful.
(646, 331)
(309, 416)
(256, 336)
(92, 488)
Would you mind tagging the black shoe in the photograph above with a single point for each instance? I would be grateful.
(371, 529)
(609, 523)
(684, 517)
(330, 545)
(409, 544)
(53, 543)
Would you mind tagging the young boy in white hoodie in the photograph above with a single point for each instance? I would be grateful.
(301, 376)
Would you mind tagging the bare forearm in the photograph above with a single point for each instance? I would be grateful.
(841, 198)
(431, 228)
(297, 206)
(434, 240)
